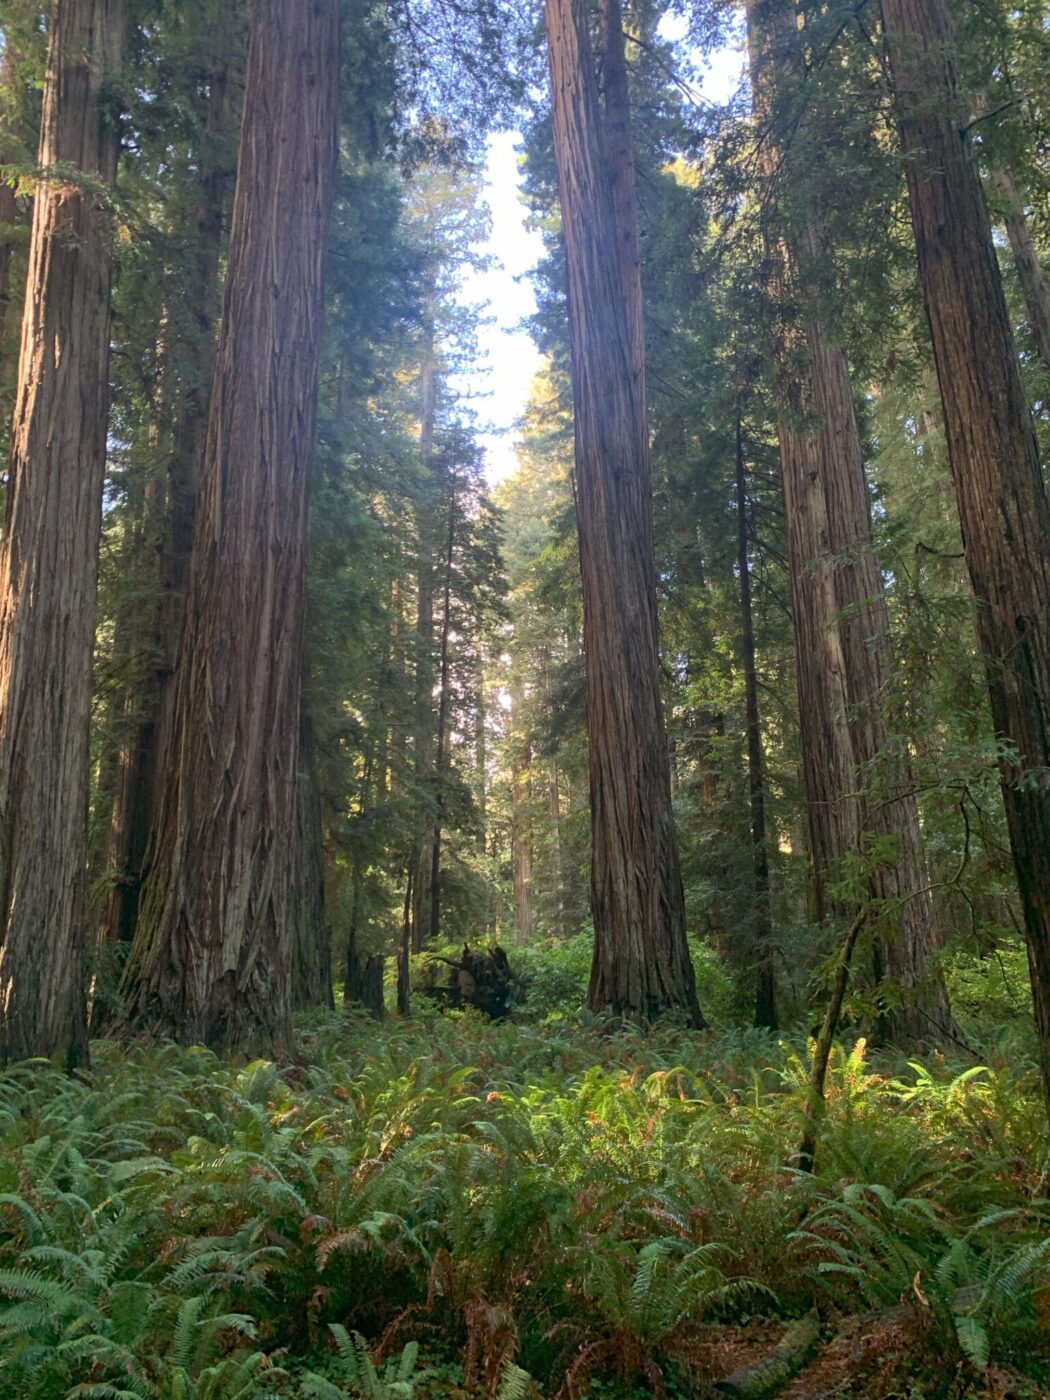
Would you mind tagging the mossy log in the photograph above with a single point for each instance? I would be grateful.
(766, 1377)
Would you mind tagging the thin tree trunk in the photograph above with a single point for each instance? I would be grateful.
(312, 962)
(522, 862)
(994, 456)
(838, 602)
(10, 145)
(49, 563)
(520, 838)
(150, 700)
(818, 1072)
(553, 803)
(481, 753)
(444, 702)
(641, 958)
(397, 727)
(1030, 273)
(404, 948)
(762, 932)
(211, 957)
(423, 862)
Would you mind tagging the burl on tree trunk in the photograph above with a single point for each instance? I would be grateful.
(641, 958)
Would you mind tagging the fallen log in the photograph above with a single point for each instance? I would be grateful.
(764, 1378)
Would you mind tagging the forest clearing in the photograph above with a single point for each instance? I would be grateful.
(524, 699)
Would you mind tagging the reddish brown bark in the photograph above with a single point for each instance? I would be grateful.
(49, 564)
(992, 448)
(150, 698)
(838, 601)
(211, 956)
(641, 959)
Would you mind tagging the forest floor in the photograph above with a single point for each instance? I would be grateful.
(531, 1209)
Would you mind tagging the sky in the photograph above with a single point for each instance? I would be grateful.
(498, 388)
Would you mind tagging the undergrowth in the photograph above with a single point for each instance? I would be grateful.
(448, 1207)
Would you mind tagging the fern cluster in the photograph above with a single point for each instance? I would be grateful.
(533, 1208)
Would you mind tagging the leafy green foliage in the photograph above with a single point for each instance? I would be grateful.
(541, 1204)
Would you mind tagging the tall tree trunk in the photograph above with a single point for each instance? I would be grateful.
(641, 958)
(312, 962)
(838, 602)
(49, 562)
(444, 709)
(404, 949)
(554, 801)
(1030, 273)
(211, 956)
(762, 930)
(150, 701)
(522, 855)
(481, 752)
(422, 864)
(1002, 498)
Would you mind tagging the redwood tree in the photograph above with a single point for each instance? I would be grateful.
(149, 702)
(641, 960)
(838, 602)
(992, 447)
(212, 949)
(49, 563)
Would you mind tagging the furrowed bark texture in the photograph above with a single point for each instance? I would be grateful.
(1001, 494)
(49, 563)
(641, 959)
(150, 703)
(211, 956)
(838, 602)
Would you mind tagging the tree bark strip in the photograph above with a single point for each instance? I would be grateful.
(211, 957)
(49, 562)
(641, 959)
(992, 448)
